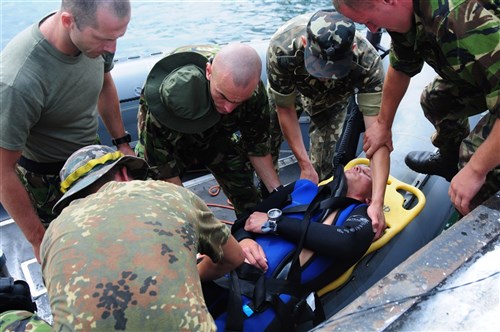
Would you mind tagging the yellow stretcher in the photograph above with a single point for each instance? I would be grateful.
(396, 216)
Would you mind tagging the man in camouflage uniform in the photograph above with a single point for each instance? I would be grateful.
(122, 255)
(207, 105)
(315, 63)
(21, 320)
(460, 39)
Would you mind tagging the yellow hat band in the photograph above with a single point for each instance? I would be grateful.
(85, 169)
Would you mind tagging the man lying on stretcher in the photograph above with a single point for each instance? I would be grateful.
(349, 241)
(334, 238)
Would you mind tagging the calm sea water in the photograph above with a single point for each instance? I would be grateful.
(160, 25)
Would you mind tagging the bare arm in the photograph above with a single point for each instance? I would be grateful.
(264, 167)
(466, 184)
(233, 257)
(109, 109)
(291, 130)
(379, 134)
(380, 166)
(16, 201)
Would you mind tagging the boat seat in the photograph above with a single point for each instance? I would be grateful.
(397, 217)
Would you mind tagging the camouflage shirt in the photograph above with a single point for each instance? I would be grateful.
(248, 125)
(288, 76)
(460, 39)
(125, 258)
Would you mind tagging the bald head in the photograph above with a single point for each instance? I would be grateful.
(239, 61)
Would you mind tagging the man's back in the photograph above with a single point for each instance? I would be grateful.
(129, 251)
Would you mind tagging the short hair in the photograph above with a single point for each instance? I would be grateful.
(242, 61)
(84, 11)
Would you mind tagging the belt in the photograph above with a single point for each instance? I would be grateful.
(41, 168)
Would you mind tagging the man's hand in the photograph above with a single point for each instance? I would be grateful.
(375, 137)
(463, 187)
(376, 214)
(255, 221)
(308, 172)
(126, 149)
(254, 254)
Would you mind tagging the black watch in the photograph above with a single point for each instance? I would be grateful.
(271, 225)
(124, 139)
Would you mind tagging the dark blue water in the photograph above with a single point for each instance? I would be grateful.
(159, 25)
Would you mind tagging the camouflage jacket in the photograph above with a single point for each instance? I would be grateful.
(124, 258)
(460, 39)
(288, 76)
(248, 124)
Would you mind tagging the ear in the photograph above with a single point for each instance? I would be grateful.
(304, 40)
(122, 175)
(67, 20)
(208, 71)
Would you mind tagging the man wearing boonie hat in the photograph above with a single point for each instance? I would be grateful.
(210, 112)
(317, 63)
(125, 252)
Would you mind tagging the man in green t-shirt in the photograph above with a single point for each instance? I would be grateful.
(460, 40)
(55, 78)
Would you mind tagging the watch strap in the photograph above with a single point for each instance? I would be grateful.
(124, 139)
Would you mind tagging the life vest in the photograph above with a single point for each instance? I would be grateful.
(276, 308)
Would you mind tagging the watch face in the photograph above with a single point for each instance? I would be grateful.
(274, 214)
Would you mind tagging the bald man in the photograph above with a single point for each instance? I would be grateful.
(207, 105)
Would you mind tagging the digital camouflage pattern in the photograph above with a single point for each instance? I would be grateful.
(43, 190)
(124, 258)
(324, 100)
(223, 149)
(21, 320)
(460, 39)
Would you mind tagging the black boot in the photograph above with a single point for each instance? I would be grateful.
(434, 163)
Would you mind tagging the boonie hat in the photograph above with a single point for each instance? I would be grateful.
(328, 52)
(88, 164)
(169, 92)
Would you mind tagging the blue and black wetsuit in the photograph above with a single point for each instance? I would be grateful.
(336, 247)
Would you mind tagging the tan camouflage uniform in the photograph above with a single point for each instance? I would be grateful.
(460, 39)
(223, 148)
(124, 258)
(325, 100)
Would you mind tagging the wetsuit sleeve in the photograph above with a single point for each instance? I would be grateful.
(353, 238)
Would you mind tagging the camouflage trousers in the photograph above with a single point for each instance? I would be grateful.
(324, 132)
(43, 190)
(20, 320)
(448, 107)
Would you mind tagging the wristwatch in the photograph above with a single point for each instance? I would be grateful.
(124, 139)
(271, 225)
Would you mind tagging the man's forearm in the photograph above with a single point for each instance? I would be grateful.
(291, 131)
(487, 157)
(17, 203)
(395, 86)
(264, 167)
